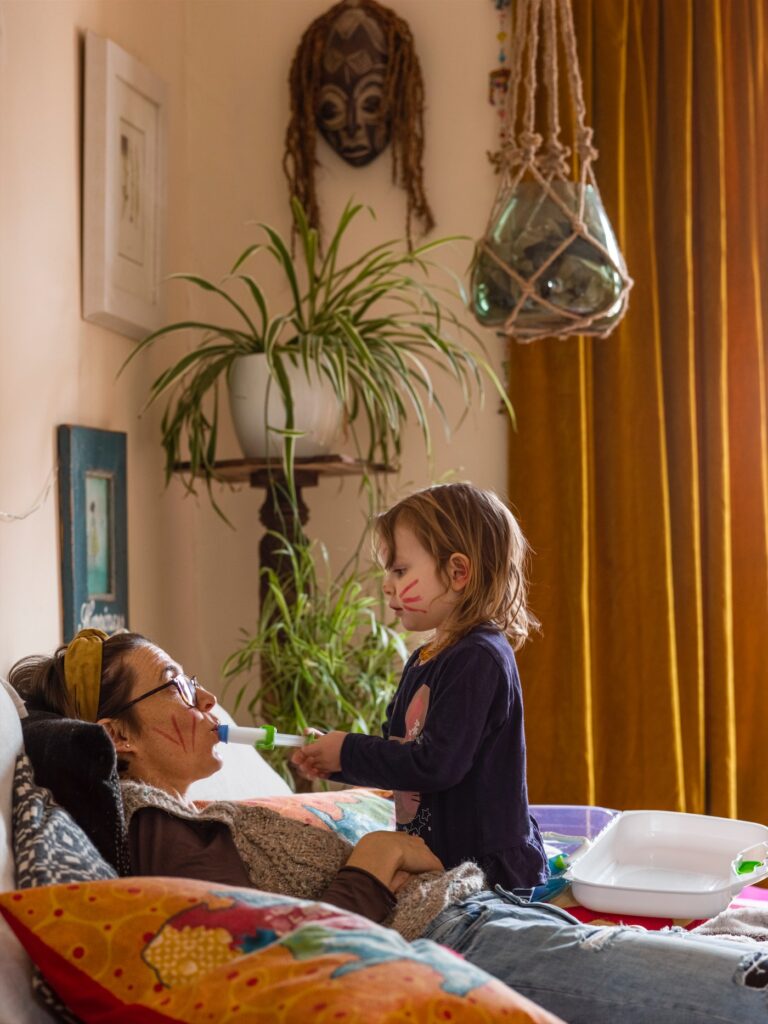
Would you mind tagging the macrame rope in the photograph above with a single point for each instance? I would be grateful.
(526, 154)
(529, 140)
(554, 159)
(515, 67)
(584, 134)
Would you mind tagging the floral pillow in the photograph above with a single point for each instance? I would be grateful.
(351, 813)
(175, 950)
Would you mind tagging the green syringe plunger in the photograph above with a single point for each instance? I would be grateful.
(265, 737)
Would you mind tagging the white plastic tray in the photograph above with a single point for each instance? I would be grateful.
(667, 864)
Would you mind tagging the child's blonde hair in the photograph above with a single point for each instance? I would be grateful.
(459, 517)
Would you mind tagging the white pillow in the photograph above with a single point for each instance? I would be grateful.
(243, 775)
(17, 1004)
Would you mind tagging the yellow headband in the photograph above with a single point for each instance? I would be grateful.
(82, 671)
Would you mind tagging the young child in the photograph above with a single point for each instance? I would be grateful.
(455, 565)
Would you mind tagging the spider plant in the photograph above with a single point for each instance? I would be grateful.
(374, 325)
(320, 654)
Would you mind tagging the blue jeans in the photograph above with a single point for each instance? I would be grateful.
(606, 975)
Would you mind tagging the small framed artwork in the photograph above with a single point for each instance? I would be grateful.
(123, 190)
(93, 529)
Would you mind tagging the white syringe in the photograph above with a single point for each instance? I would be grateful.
(265, 738)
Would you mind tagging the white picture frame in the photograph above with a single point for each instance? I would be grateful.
(124, 140)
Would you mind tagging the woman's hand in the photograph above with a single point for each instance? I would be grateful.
(393, 857)
(322, 756)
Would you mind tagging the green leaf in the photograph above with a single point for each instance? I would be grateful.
(209, 286)
(282, 255)
(258, 297)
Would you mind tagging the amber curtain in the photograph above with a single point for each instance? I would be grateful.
(640, 464)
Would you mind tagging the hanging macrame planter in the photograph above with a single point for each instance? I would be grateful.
(549, 264)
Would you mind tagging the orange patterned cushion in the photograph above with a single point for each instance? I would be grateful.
(348, 812)
(162, 950)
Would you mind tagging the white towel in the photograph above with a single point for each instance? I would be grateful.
(742, 924)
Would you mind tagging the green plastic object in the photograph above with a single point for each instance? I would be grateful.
(268, 743)
(748, 866)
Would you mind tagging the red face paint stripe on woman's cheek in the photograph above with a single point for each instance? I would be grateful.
(175, 740)
(179, 733)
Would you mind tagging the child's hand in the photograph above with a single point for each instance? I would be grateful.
(306, 773)
(318, 759)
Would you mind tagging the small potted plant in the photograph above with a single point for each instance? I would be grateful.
(372, 328)
(320, 654)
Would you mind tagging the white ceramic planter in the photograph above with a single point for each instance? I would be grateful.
(316, 410)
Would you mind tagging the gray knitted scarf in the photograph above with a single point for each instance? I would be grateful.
(294, 859)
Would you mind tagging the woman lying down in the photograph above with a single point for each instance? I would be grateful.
(164, 728)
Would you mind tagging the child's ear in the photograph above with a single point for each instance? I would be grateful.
(459, 571)
(117, 733)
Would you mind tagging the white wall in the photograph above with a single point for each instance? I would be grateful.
(193, 581)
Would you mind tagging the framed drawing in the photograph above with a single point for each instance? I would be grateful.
(123, 190)
(93, 529)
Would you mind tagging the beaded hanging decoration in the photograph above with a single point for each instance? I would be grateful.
(498, 78)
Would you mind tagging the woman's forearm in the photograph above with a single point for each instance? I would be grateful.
(377, 854)
(393, 857)
(357, 890)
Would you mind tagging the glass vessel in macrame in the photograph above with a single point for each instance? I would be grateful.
(549, 264)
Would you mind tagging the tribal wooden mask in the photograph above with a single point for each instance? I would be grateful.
(351, 113)
(356, 81)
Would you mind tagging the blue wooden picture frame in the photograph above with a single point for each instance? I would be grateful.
(93, 523)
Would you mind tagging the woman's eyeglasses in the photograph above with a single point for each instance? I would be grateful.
(186, 687)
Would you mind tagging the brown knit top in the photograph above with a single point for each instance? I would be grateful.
(295, 859)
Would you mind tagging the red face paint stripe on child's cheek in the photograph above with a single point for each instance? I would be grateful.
(410, 586)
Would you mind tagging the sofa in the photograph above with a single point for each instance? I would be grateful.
(81, 940)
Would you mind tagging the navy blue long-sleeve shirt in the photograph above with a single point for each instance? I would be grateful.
(453, 750)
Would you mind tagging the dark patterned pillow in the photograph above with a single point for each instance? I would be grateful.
(48, 845)
(77, 762)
